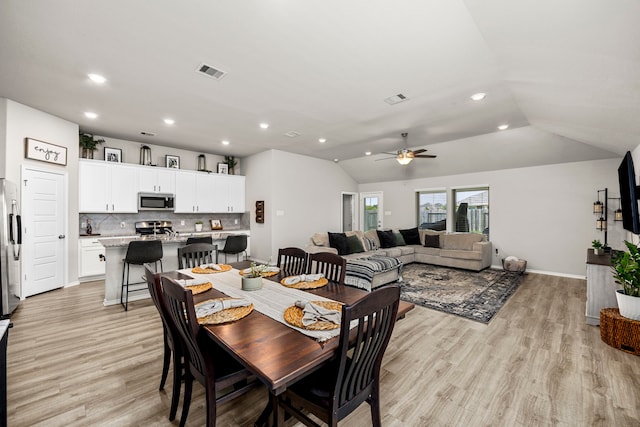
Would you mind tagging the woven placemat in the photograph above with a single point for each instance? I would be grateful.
(224, 316)
(223, 268)
(199, 288)
(265, 274)
(293, 316)
(306, 285)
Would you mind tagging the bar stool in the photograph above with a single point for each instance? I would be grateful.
(139, 252)
(235, 244)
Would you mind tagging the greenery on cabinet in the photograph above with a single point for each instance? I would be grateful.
(597, 246)
(626, 269)
(88, 144)
(231, 162)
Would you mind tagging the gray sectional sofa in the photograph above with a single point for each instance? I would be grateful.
(460, 250)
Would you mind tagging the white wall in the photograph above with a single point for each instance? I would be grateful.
(26, 122)
(542, 214)
(302, 196)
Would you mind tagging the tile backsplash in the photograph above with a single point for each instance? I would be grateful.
(111, 224)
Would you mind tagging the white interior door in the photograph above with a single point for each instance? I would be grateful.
(44, 236)
(371, 209)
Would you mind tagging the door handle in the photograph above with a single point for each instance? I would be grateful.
(62, 236)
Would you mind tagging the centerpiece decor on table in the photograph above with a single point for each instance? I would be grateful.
(626, 272)
(252, 279)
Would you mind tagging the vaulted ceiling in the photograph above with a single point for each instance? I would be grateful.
(563, 75)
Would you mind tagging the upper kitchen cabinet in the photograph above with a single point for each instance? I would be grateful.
(229, 190)
(106, 187)
(195, 192)
(156, 180)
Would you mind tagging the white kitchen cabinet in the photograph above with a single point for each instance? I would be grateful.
(156, 180)
(230, 191)
(105, 187)
(195, 192)
(91, 258)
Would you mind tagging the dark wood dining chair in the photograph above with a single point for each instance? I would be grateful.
(339, 387)
(197, 254)
(292, 261)
(333, 266)
(205, 361)
(172, 341)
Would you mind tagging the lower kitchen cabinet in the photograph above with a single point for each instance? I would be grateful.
(91, 260)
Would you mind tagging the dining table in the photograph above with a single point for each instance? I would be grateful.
(276, 353)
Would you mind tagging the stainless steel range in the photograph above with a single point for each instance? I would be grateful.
(146, 228)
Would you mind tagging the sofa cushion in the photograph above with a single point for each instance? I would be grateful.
(355, 244)
(399, 239)
(406, 250)
(460, 254)
(411, 236)
(392, 252)
(387, 239)
(460, 241)
(432, 241)
(339, 241)
(427, 251)
(320, 239)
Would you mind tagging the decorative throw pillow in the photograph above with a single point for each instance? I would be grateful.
(387, 239)
(372, 245)
(355, 245)
(399, 239)
(432, 240)
(411, 236)
(339, 242)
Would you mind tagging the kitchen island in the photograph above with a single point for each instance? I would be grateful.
(116, 249)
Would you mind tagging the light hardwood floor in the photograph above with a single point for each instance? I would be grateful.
(73, 362)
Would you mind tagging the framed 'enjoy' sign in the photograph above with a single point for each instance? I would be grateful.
(45, 151)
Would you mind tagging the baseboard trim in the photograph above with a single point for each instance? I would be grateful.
(550, 273)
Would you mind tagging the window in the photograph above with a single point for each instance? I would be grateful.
(472, 210)
(432, 209)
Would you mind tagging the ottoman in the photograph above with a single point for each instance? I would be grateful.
(370, 273)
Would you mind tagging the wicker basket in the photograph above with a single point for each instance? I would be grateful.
(620, 332)
(517, 266)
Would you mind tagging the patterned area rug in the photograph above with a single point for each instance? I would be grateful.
(475, 296)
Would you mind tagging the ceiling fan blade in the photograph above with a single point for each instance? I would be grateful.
(422, 150)
(425, 156)
(391, 154)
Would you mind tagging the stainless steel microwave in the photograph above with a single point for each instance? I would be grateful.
(155, 202)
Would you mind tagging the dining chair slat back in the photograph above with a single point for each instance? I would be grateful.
(356, 372)
(172, 346)
(207, 363)
(197, 254)
(292, 261)
(333, 266)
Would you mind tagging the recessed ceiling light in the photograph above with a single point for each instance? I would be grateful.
(503, 127)
(478, 96)
(264, 125)
(335, 160)
(90, 115)
(225, 142)
(97, 78)
(368, 153)
(322, 140)
(169, 122)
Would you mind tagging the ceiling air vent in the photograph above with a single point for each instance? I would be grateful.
(210, 71)
(292, 134)
(396, 99)
(147, 133)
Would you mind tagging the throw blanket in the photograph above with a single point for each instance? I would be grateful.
(359, 272)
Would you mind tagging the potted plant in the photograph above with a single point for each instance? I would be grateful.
(89, 144)
(598, 248)
(252, 280)
(198, 225)
(231, 162)
(626, 272)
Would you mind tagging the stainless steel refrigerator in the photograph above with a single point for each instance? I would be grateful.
(10, 241)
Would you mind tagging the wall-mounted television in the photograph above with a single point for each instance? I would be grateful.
(629, 192)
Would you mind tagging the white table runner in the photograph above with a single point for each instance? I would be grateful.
(272, 300)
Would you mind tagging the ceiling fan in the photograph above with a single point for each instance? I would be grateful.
(405, 156)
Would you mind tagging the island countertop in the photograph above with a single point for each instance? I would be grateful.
(122, 241)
